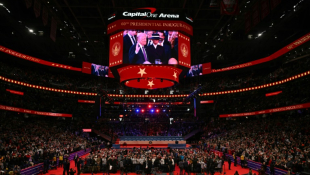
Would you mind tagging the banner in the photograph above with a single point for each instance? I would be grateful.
(45, 16)
(110, 74)
(36, 60)
(256, 14)
(86, 101)
(27, 111)
(274, 3)
(28, 3)
(53, 29)
(184, 51)
(281, 109)
(248, 22)
(116, 49)
(37, 7)
(275, 55)
(206, 68)
(273, 93)
(149, 25)
(265, 8)
(206, 101)
(86, 67)
(15, 92)
(229, 7)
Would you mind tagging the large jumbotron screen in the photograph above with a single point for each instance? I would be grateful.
(150, 47)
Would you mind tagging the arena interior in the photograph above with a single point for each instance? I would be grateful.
(154, 87)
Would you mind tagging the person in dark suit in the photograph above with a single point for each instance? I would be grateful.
(229, 163)
(66, 167)
(128, 41)
(78, 165)
(149, 34)
(148, 166)
(46, 165)
(75, 159)
(138, 53)
(167, 48)
(93, 69)
(155, 51)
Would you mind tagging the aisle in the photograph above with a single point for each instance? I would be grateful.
(241, 171)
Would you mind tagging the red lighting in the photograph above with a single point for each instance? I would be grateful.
(142, 110)
(157, 110)
(150, 106)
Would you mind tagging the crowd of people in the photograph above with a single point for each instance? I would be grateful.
(149, 161)
(278, 141)
(25, 142)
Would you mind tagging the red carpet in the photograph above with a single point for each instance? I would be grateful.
(240, 170)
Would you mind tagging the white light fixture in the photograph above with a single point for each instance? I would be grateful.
(30, 30)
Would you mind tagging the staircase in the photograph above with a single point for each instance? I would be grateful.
(191, 134)
(102, 135)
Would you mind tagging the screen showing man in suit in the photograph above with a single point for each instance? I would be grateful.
(150, 47)
(99, 70)
(194, 71)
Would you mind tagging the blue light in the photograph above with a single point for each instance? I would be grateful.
(137, 110)
(152, 110)
(164, 110)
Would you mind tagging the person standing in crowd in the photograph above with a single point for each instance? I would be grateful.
(61, 159)
(72, 171)
(242, 160)
(235, 159)
(229, 163)
(46, 164)
(66, 166)
(75, 159)
(78, 165)
(121, 165)
(272, 167)
(128, 41)
(148, 166)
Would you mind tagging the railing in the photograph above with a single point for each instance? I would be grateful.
(36, 169)
(251, 164)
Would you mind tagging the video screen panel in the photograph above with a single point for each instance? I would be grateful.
(194, 71)
(99, 70)
(150, 47)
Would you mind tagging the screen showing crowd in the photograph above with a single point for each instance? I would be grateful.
(150, 47)
(99, 70)
(194, 71)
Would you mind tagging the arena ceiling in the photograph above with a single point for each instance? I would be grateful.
(218, 38)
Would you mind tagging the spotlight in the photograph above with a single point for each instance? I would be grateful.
(152, 110)
(137, 110)
(142, 110)
(157, 110)
(150, 106)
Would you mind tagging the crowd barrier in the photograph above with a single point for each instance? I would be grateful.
(251, 164)
(37, 169)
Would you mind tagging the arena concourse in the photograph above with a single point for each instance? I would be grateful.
(154, 87)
